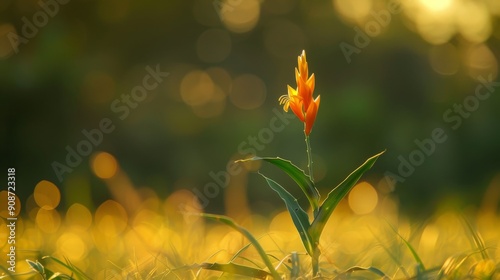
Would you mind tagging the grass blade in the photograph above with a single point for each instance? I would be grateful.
(7, 272)
(451, 266)
(233, 268)
(230, 268)
(371, 269)
(294, 274)
(240, 251)
(60, 276)
(228, 221)
(476, 238)
(391, 255)
(298, 175)
(299, 216)
(337, 194)
(412, 250)
(78, 272)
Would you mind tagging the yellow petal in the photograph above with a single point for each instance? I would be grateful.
(291, 92)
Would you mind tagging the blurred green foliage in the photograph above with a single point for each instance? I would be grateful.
(395, 90)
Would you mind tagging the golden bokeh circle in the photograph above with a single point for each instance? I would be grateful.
(48, 220)
(8, 40)
(363, 198)
(104, 165)
(239, 16)
(111, 218)
(47, 195)
(4, 210)
(78, 216)
(71, 246)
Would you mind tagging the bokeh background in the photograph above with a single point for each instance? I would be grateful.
(228, 62)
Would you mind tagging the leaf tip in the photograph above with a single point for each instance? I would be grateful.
(243, 160)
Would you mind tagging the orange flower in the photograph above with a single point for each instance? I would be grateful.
(301, 100)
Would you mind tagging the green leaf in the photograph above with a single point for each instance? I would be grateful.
(336, 195)
(299, 216)
(60, 276)
(298, 175)
(38, 267)
(46, 273)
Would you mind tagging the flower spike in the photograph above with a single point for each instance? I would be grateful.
(301, 100)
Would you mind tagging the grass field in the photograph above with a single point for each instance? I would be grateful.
(160, 240)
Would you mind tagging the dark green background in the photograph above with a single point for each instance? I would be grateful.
(388, 96)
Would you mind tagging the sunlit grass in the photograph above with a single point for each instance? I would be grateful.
(162, 239)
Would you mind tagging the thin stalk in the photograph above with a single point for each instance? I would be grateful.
(309, 158)
(316, 251)
(315, 260)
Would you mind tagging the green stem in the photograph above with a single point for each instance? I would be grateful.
(309, 158)
(315, 249)
(315, 260)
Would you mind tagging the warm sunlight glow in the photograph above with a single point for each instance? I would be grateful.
(436, 5)
(197, 88)
(481, 60)
(363, 198)
(353, 10)
(48, 220)
(71, 246)
(78, 216)
(47, 195)
(438, 21)
(4, 213)
(104, 165)
(111, 218)
(429, 238)
(474, 21)
(239, 16)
